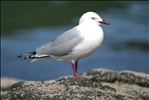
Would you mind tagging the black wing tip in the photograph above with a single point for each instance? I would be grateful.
(34, 52)
(31, 55)
(26, 56)
(19, 56)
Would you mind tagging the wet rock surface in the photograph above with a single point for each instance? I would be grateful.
(99, 84)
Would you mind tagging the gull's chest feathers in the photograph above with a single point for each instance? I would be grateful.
(92, 34)
(92, 39)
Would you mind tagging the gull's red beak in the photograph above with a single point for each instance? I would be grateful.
(104, 22)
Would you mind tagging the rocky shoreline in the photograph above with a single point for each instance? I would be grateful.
(99, 84)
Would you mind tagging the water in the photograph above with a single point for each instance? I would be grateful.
(127, 25)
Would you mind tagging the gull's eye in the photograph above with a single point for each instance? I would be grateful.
(93, 18)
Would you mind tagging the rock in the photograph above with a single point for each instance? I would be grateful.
(98, 85)
(129, 77)
(7, 82)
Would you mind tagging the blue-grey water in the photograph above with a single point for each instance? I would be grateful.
(127, 25)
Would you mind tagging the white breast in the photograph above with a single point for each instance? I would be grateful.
(93, 38)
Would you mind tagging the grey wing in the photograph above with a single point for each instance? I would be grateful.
(62, 45)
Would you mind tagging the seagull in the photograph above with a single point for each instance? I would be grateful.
(74, 44)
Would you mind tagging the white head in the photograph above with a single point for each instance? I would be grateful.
(91, 17)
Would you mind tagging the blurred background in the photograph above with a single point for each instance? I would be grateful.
(26, 25)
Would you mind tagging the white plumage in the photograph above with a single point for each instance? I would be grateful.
(73, 44)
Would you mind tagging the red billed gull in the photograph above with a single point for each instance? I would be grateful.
(74, 44)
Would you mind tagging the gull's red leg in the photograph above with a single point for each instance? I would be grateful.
(76, 66)
(74, 69)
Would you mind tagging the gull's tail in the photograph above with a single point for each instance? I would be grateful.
(33, 56)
